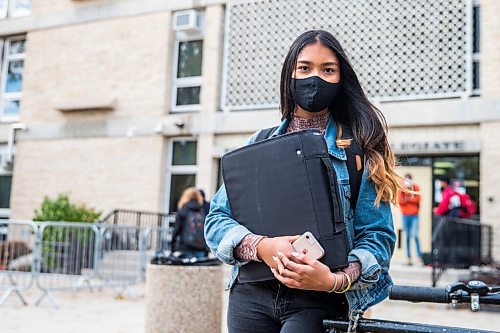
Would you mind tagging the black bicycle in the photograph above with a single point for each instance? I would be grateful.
(475, 293)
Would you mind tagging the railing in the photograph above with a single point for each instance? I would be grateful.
(459, 243)
(120, 240)
(66, 254)
(138, 218)
(18, 259)
(69, 256)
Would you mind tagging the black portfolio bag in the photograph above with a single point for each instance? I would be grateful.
(285, 186)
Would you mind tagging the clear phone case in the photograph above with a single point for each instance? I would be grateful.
(308, 242)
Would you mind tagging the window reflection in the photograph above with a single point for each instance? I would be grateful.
(188, 96)
(190, 56)
(22, 4)
(17, 46)
(4, 5)
(14, 76)
(177, 185)
(11, 107)
(14, 8)
(184, 153)
(5, 189)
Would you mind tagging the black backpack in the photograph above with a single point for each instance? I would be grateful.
(193, 233)
(269, 174)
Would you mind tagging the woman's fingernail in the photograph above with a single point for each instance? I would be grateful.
(272, 270)
(295, 254)
(275, 259)
(279, 253)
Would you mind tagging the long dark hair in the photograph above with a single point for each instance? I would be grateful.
(352, 108)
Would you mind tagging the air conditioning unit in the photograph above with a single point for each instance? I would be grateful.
(187, 21)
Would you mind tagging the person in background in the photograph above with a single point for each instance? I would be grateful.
(470, 207)
(410, 206)
(206, 204)
(450, 200)
(187, 236)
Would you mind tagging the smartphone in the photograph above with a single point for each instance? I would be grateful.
(308, 242)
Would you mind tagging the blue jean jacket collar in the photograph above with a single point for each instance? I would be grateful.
(330, 137)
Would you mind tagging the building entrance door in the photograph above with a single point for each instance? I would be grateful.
(422, 175)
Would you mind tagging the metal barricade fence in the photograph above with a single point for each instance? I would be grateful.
(459, 243)
(157, 241)
(137, 218)
(68, 256)
(142, 219)
(17, 258)
(58, 256)
(121, 256)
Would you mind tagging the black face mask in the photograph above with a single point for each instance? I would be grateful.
(314, 94)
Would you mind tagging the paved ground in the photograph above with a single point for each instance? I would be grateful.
(80, 312)
(96, 312)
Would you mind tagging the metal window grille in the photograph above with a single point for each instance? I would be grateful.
(401, 50)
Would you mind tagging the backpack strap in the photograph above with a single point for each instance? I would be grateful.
(265, 133)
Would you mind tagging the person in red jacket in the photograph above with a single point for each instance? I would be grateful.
(410, 205)
(450, 204)
(469, 206)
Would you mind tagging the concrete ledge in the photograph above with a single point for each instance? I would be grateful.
(86, 105)
(183, 299)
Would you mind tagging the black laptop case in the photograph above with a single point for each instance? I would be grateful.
(285, 186)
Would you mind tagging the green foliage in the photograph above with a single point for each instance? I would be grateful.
(62, 209)
(66, 250)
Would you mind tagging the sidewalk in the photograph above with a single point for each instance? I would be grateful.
(99, 311)
(79, 312)
(86, 311)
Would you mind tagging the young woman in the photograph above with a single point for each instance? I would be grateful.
(318, 90)
(187, 236)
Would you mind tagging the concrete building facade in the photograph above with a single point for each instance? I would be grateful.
(121, 110)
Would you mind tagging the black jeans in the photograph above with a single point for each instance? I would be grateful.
(268, 307)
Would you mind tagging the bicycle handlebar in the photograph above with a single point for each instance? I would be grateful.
(419, 294)
(473, 292)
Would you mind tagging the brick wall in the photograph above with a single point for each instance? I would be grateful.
(490, 131)
(105, 173)
(124, 59)
(490, 180)
(45, 7)
(490, 48)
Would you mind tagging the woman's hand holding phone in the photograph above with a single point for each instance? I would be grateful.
(268, 247)
(303, 272)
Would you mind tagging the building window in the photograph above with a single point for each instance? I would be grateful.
(182, 170)
(186, 87)
(476, 23)
(12, 78)
(5, 185)
(14, 8)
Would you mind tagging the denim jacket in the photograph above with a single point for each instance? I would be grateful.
(370, 230)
